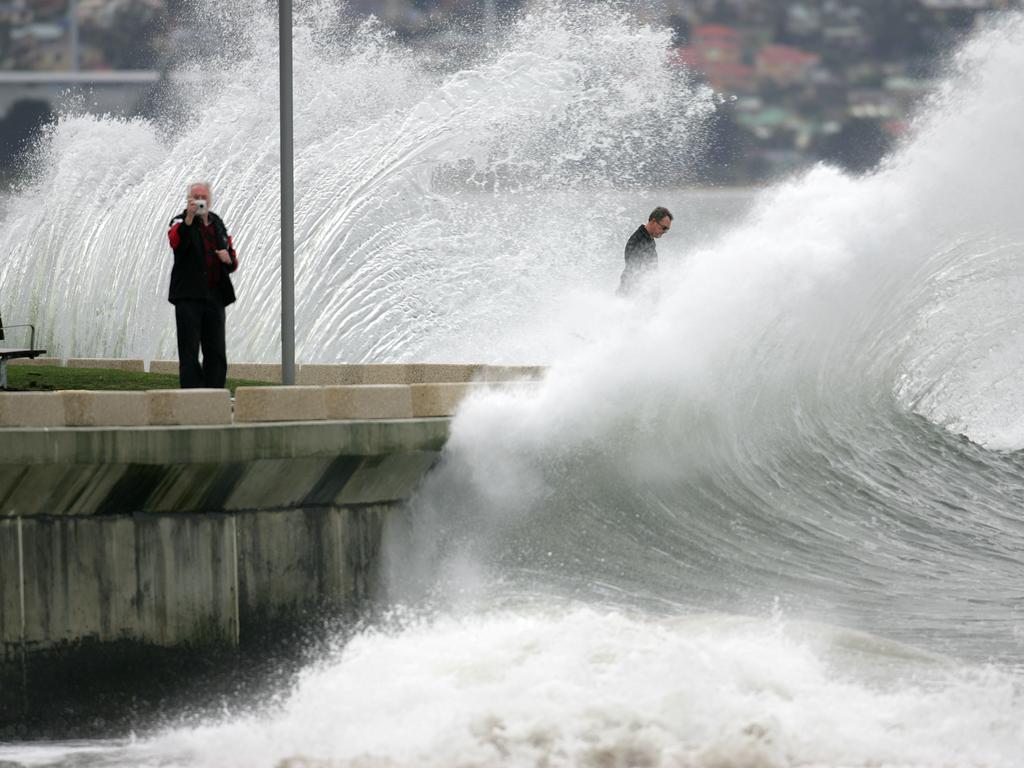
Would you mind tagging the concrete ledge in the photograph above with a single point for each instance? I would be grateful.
(108, 470)
(104, 409)
(189, 406)
(44, 362)
(216, 445)
(369, 401)
(394, 477)
(382, 373)
(512, 373)
(390, 373)
(31, 409)
(163, 366)
(269, 372)
(324, 374)
(347, 374)
(440, 399)
(111, 363)
(280, 404)
(442, 373)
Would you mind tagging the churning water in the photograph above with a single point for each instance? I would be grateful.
(767, 514)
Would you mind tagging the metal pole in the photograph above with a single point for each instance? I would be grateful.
(287, 198)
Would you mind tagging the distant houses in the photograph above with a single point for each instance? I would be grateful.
(793, 103)
(802, 76)
(716, 52)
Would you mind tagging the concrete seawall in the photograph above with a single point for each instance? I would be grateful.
(149, 536)
(174, 543)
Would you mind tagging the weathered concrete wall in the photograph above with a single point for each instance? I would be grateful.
(179, 579)
(161, 580)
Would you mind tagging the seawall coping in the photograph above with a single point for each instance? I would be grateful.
(411, 373)
(381, 373)
(294, 403)
(31, 409)
(369, 401)
(163, 366)
(86, 408)
(443, 373)
(324, 374)
(168, 407)
(269, 372)
(512, 373)
(430, 400)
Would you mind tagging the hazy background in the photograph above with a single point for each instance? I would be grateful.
(797, 82)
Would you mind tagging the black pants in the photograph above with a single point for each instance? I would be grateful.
(201, 325)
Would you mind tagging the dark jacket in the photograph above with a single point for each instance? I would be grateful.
(641, 258)
(188, 275)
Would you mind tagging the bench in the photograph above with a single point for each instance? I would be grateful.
(10, 353)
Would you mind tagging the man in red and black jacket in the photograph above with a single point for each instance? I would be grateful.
(204, 257)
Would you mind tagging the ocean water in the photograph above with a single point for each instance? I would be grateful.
(768, 513)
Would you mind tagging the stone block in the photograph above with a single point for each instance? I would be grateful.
(443, 373)
(269, 372)
(105, 409)
(353, 373)
(383, 373)
(189, 406)
(31, 409)
(440, 399)
(512, 373)
(320, 374)
(369, 401)
(163, 366)
(280, 404)
(111, 363)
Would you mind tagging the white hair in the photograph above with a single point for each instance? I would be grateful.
(193, 184)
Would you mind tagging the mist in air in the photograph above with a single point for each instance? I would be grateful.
(766, 513)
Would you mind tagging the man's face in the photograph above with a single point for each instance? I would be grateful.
(199, 192)
(661, 227)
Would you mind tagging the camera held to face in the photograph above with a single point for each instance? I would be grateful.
(200, 206)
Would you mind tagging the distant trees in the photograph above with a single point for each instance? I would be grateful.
(128, 32)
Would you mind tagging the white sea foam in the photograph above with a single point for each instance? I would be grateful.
(586, 686)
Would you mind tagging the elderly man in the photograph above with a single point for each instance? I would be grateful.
(204, 257)
(641, 252)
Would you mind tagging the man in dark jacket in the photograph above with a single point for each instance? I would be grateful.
(204, 257)
(641, 252)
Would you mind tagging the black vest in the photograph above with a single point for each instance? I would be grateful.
(188, 275)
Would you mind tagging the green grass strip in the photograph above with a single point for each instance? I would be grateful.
(28, 378)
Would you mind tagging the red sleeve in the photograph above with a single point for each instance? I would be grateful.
(174, 236)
